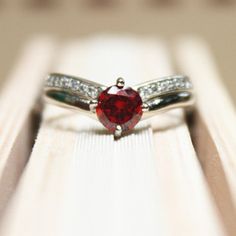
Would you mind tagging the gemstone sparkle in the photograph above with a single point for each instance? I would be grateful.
(119, 106)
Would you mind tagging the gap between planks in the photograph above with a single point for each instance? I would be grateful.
(17, 101)
(214, 131)
(79, 181)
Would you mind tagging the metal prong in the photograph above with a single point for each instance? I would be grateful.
(93, 105)
(145, 107)
(118, 132)
(120, 82)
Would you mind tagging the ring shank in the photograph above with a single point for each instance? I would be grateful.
(72, 92)
(167, 102)
(159, 95)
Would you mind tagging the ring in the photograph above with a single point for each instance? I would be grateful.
(118, 107)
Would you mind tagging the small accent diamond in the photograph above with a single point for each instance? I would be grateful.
(92, 92)
(84, 88)
(166, 85)
(75, 85)
(56, 82)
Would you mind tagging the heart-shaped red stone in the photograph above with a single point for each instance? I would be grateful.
(119, 106)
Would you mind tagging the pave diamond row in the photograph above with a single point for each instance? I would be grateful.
(75, 85)
(165, 85)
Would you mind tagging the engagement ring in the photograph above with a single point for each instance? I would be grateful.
(118, 107)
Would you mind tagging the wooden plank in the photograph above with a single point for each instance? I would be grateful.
(80, 182)
(183, 186)
(67, 151)
(214, 128)
(17, 101)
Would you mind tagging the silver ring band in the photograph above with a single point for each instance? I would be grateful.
(157, 95)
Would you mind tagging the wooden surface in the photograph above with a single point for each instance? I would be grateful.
(78, 181)
(215, 132)
(17, 102)
(214, 20)
(183, 186)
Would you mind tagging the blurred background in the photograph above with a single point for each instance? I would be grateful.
(214, 20)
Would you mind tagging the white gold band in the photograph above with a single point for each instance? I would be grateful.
(158, 95)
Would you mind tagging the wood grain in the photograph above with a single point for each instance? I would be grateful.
(214, 131)
(183, 186)
(17, 102)
(80, 182)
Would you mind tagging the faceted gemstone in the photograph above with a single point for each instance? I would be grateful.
(119, 106)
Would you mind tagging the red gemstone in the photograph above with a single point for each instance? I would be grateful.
(119, 106)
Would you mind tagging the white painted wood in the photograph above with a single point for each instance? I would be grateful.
(17, 101)
(214, 103)
(218, 118)
(183, 187)
(80, 182)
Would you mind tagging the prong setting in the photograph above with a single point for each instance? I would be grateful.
(145, 107)
(118, 132)
(118, 107)
(120, 83)
(93, 105)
